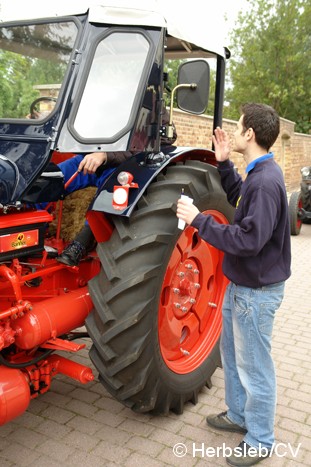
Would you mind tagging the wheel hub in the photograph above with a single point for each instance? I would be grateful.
(185, 287)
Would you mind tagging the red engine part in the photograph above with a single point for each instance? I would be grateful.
(51, 318)
(74, 370)
(14, 394)
(18, 387)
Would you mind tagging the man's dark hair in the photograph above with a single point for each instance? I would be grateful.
(265, 122)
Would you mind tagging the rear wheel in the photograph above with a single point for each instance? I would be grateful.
(157, 300)
(295, 203)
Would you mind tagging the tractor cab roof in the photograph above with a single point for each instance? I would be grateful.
(186, 39)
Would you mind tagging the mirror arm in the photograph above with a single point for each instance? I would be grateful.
(170, 129)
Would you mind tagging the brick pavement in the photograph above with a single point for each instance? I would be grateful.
(81, 426)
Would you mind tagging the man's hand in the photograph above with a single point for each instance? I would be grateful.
(221, 142)
(91, 162)
(185, 211)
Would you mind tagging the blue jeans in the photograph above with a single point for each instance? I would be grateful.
(245, 345)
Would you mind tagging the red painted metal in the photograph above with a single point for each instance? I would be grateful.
(24, 218)
(6, 335)
(42, 279)
(191, 300)
(14, 394)
(51, 318)
(15, 384)
(58, 157)
(12, 280)
(40, 300)
(100, 225)
(71, 179)
(74, 370)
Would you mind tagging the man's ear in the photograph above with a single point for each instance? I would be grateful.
(250, 134)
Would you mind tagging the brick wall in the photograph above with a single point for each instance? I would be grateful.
(292, 150)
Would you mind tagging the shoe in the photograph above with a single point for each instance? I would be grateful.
(83, 243)
(72, 254)
(246, 456)
(222, 422)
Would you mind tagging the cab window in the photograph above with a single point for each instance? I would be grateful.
(34, 59)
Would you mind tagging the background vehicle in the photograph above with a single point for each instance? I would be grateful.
(151, 297)
(300, 203)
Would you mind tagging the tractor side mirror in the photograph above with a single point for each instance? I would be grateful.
(193, 86)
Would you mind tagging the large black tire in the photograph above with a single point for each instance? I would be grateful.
(306, 200)
(295, 204)
(128, 294)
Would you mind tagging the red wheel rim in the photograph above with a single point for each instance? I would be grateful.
(191, 300)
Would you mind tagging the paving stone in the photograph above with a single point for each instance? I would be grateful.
(112, 452)
(144, 446)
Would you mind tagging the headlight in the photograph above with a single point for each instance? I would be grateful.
(125, 178)
(305, 171)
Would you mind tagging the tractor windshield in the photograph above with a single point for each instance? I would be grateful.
(31, 57)
(114, 76)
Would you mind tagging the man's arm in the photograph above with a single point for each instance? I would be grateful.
(244, 239)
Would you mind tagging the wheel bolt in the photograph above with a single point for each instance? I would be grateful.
(197, 285)
(192, 301)
(177, 305)
(175, 290)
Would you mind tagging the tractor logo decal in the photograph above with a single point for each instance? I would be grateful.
(20, 241)
(15, 241)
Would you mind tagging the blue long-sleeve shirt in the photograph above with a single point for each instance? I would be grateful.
(257, 244)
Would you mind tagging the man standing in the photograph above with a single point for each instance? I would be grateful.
(257, 263)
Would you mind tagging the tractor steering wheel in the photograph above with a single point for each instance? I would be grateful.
(34, 113)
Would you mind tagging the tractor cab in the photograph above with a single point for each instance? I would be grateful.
(90, 82)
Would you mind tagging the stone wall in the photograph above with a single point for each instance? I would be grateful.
(292, 150)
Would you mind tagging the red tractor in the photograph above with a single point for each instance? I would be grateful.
(150, 296)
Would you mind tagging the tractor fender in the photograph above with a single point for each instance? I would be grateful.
(144, 168)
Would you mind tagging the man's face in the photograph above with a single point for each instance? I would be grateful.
(239, 139)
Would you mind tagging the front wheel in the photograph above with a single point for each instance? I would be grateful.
(295, 203)
(156, 321)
